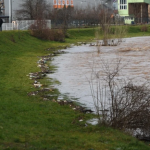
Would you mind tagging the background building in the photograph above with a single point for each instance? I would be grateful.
(2, 7)
(62, 3)
(134, 11)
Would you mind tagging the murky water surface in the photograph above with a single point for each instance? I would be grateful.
(75, 67)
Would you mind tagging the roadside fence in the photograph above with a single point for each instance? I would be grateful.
(21, 25)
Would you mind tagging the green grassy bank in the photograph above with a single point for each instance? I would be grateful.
(136, 31)
(28, 122)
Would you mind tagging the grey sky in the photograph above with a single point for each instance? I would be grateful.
(77, 3)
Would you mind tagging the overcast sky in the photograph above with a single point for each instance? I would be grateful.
(77, 3)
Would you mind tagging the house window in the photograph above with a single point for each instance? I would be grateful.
(123, 4)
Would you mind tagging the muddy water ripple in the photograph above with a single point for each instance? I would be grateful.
(75, 67)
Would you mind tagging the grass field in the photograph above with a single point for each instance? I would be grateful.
(33, 124)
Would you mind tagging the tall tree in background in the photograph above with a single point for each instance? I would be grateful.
(61, 18)
(33, 9)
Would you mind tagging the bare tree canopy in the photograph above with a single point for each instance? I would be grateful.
(33, 9)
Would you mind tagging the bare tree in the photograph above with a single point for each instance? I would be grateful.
(78, 17)
(33, 9)
(111, 35)
(65, 15)
(61, 18)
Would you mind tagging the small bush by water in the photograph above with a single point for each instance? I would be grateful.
(119, 102)
(40, 30)
(144, 28)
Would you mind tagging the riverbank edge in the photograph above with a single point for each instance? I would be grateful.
(21, 139)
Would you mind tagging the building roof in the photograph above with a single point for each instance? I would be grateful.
(139, 1)
(4, 16)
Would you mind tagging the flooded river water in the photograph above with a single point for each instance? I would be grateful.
(74, 68)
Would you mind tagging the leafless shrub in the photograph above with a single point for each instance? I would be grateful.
(12, 38)
(144, 28)
(119, 33)
(111, 35)
(41, 31)
(97, 40)
(57, 35)
(38, 29)
(120, 103)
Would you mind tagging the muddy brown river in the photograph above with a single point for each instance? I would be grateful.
(74, 68)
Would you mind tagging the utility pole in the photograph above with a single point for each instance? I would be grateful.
(10, 11)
